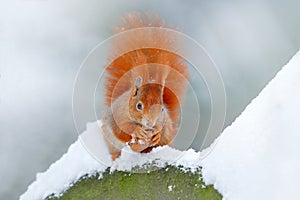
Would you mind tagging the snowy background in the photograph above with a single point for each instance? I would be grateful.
(42, 44)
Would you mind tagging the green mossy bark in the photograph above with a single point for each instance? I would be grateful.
(143, 184)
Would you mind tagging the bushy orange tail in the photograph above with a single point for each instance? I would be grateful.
(121, 64)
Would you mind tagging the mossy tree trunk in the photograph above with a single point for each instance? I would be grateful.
(165, 183)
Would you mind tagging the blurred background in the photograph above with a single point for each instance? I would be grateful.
(43, 43)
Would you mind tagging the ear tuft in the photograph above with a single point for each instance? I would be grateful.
(138, 82)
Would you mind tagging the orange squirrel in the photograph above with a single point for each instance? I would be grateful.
(144, 89)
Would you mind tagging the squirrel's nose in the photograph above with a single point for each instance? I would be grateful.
(150, 123)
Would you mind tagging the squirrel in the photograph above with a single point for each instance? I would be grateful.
(143, 89)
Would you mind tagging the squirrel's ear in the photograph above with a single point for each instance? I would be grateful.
(138, 82)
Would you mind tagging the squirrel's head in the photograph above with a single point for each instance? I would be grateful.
(146, 103)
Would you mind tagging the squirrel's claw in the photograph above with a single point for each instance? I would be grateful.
(155, 140)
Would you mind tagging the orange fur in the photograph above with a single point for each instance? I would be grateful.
(121, 64)
(151, 74)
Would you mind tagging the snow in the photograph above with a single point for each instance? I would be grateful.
(257, 157)
(170, 188)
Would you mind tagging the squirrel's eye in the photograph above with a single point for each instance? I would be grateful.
(139, 106)
(162, 109)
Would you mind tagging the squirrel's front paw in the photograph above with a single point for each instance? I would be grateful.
(144, 135)
(138, 145)
(155, 139)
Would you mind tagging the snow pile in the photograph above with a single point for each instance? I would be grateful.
(159, 157)
(78, 162)
(257, 157)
